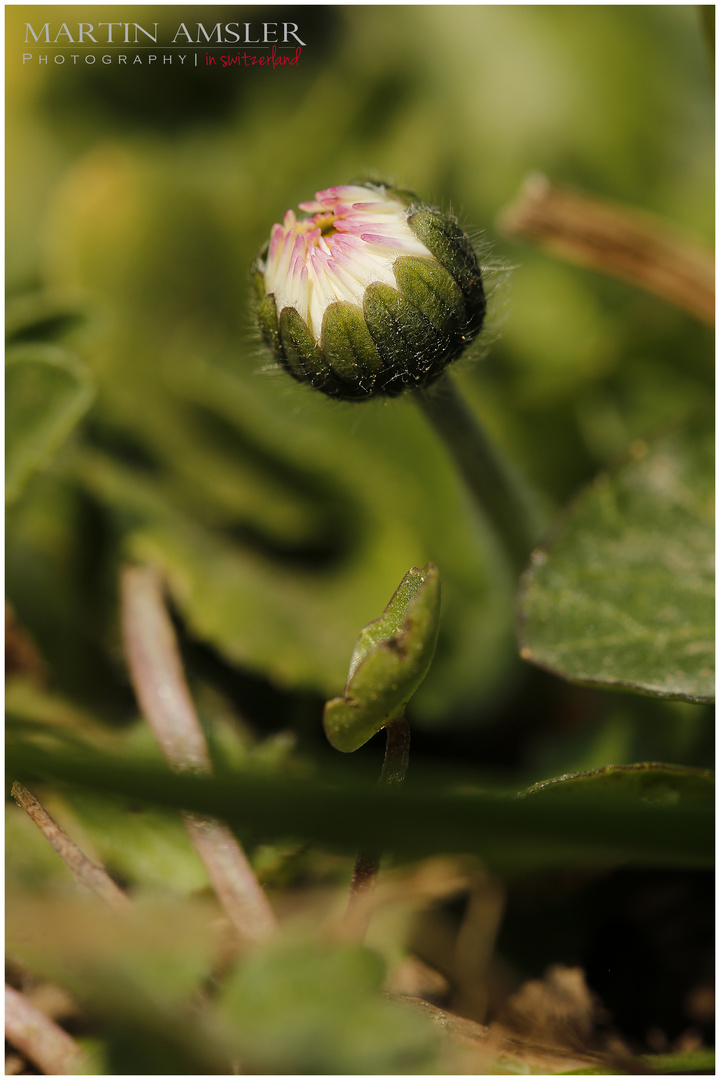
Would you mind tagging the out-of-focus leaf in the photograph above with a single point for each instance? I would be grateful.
(624, 593)
(319, 1009)
(55, 583)
(292, 1005)
(138, 973)
(47, 391)
(38, 317)
(144, 847)
(647, 781)
(685, 1062)
(630, 729)
(56, 935)
(610, 821)
(27, 704)
(688, 1061)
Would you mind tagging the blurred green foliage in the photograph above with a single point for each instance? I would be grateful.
(270, 510)
(48, 391)
(649, 813)
(145, 421)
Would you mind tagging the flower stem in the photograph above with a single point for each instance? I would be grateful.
(397, 752)
(495, 487)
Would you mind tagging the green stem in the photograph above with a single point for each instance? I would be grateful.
(397, 753)
(397, 750)
(491, 480)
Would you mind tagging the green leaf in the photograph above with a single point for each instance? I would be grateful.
(135, 974)
(391, 658)
(623, 594)
(141, 847)
(64, 934)
(684, 1062)
(47, 391)
(646, 781)
(318, 1008)
(652, 815)
(35, 317)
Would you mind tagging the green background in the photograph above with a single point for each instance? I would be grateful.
(145, 420)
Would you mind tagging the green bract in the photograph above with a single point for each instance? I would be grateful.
(391, 658)
(374, 293)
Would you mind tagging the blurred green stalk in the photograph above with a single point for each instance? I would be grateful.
(367, 863)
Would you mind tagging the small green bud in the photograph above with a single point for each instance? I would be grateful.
(391, 658)
(388, 291)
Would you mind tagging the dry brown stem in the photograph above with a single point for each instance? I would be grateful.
(617, 240)
(163, 695)
(84, 870)
(40, 1039)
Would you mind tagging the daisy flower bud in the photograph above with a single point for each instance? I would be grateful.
(370, 293)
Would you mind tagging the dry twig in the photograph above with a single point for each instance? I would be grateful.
(162, 692)
(84, 870)
(40, 1039)
(617, 240)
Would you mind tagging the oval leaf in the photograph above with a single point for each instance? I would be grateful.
(624, 594)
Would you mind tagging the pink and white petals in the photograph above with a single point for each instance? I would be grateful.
(356, 301)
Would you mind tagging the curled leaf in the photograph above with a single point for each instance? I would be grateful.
(391, 658)
(47, 392)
